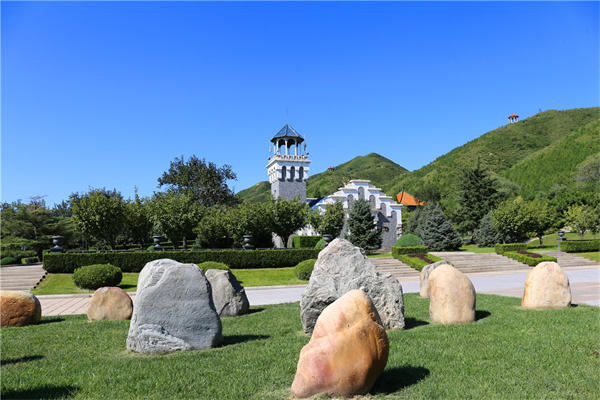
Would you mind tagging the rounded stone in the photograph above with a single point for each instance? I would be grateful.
(424, 278)
(110, 303)
(19, 308)
(546, 286)
(451, 296)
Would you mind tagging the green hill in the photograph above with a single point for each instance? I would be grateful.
(257, 193)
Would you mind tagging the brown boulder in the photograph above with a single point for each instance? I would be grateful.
(110, 303)
(546, 286)
(451, 296)
(19, 308)
(347, 351)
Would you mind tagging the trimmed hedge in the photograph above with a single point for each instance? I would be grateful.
(397, 250)
(409, 239)
(416, 262)
(575, 246)
(8, 260)
(96, 276)
(501, 248)
(205, 266)
(135, 261)
(525, 259)
(304, 269)
(305, 241)
(29, 260)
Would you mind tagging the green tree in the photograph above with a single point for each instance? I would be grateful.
(252, 219)
(416, 218)
(361, 225)
(204, 181)
(214, 230)
(333, 220)
(437, 232)
(139, 225)
(99, 214)
(288, 216)
(510, 220)
(582, 219)
(485, 235)
(540, 217)
(175, 215)
(429, 193)
(477, 195)
(314, 219)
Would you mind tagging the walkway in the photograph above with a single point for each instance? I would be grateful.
(468, 262)
(21, 277)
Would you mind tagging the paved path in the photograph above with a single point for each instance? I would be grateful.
(480, 262)
(21, 277)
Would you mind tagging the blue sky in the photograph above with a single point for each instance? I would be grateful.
(106, 94)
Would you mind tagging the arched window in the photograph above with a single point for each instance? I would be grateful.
(292, 174)
(361, 193)
(301, 174)
(283, 173)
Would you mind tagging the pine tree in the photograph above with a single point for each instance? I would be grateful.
(486, 235)
(363, 232)
(437, 232)
(477, 196)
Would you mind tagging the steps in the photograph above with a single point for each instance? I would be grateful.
(481, 262)
(566, 260)
(21, 277)
(390, 265)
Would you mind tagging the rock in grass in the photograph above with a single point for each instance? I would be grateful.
(342, 267)
(228, 295)
(347, 351)
(110, 303)
(173, 310)
(19, 308)
(451, 296)
(424, 277)
(546, 286)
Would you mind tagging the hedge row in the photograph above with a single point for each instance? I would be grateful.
(397, 250)
(579, 245)
(134, 262)
(416, 262)
(503, 248)
(305, 241)
(525, 259)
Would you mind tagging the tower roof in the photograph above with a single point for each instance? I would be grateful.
(287, 132)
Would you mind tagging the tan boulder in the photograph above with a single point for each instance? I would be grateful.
(451, 296)
(347, 351)
(424, 277)
(546, 286)
(111, 303)
(19, 308)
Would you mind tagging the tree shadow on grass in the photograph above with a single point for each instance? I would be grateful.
(41, 392)
(9, 361)
(410, 323)
(50, 320)
(126, 286)
(235, 339)
(397, 378)
(481, 314)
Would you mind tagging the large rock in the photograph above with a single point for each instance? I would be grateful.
(173, 310)
(228, 295)
(19, 308)
(342, 267)
(111, 303)
(546, 286)
(451, 296)
(347, 351)
(424, 277)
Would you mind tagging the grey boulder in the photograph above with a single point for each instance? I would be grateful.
(173, 310)
(342, 267)
(228, 295)
(424, 277)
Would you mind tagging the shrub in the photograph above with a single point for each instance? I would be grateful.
(304, 269)
(502, 248)
(409, 239)
(576, 246)
(8, 260)
(29, 260)
(528, 259)
(320, 244)
(418, 261)
(135, 261)
(397, 250)
(212, 265)
(96, 276)
(305, 241)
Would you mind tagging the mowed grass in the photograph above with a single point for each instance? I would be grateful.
(550, 241)
(63, 283)
(509, 353)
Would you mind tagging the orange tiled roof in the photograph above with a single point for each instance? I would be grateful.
(408, 200)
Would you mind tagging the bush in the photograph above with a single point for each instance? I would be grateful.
(409, 239)
(502, 248)
(29, 260)
(320, 244)
(135, 261)
(418, 261)
(305, 241)
(397, 250)
(212, 265)
(576, 246)
(304, 269)
(96, 276)
(527, 258)
(8, 260)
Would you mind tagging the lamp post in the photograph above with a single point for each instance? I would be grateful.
(57, 240)
(559, 239)
(157, 239)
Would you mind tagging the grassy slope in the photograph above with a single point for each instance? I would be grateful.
(509, 353)
(257, 193)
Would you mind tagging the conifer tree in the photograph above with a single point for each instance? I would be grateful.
(486, 235)
(437, 232)
(363, 232)
(477, 196)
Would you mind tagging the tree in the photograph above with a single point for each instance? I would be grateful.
(477, 195)
(252, 219)
(139, 224)
(100, 214)
(429, 193)
(511, 222)
(582, 219)
(288, 216)
(415, 221)
(206, 182)
(437, 232)
(361, 225)
(175, 215)
(333, 220)
(540, 216)
(214, 230)
(485, 235)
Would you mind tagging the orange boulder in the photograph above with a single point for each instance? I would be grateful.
(19, 308)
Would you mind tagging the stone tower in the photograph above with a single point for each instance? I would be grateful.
(288, 165)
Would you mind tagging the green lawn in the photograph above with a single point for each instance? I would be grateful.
(379, 255)
(550, 240)
(63, 283)
(509, 353)
(594, 255)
